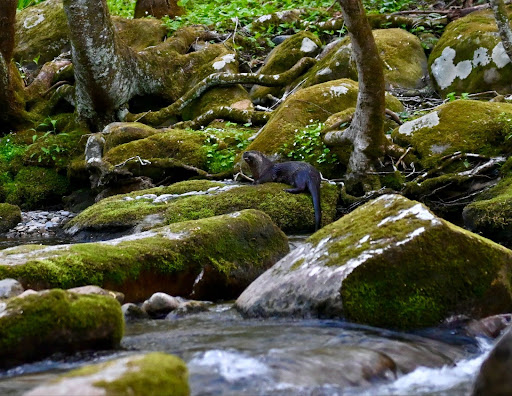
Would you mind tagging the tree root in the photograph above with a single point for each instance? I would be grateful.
(226, 113)
(218, 80)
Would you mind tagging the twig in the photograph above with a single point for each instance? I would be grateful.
(142, 161)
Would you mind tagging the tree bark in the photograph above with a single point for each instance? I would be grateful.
(366, 131)
(12, 100)
(501, 17)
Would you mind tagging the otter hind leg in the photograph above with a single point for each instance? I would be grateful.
(299, 184)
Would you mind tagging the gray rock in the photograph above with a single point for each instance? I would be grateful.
(132, 311)
(161, 304)
(10, 288)
(92, 289)
(494, 378)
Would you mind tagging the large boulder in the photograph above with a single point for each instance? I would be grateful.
(139, 375)
(470, 57)
(196, 199)
(214, 258)
(405, 62)
(284, 57)
(491, 214)
(38, 324)
(468, 126)
(305, 107)
(494, 376)
(389, 263)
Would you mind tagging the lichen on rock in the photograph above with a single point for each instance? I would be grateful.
(390, 263)
(469, 57)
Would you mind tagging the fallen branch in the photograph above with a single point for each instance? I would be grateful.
(226, 113)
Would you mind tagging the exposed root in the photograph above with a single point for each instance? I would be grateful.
(226, 113)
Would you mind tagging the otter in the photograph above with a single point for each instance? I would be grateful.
(301, 175)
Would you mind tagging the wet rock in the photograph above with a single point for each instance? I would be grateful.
(208, 259)
(139, 375)
(161, 304)
(10, 288)
(92, 289)
(491, 326)
(494, 377)
(200, 199)
(390, 263)
(133, 312)
(39, 224)
(37, 325)
(189, 307)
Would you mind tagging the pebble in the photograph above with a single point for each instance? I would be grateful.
(40, 224)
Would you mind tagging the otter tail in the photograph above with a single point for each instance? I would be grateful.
(314, 190)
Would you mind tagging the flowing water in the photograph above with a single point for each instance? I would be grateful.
(229, 355)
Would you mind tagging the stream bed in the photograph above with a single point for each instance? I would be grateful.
(229, 355)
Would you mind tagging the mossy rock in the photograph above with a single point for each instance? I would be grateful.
(390, 263)
(470, 57)
(468, 126)
(293, 213)
(123, 212)
(10, 216)
(183, 146)
(151, 374)
(118, 133)
(42, 31)
(34, 187)
(305, 107)
(491, 214)
(405, 62)
(39, 324)
(282, 58)
(211, 259)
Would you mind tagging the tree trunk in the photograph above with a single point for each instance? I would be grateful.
(12, 102)
(501, 17)
(366, 132)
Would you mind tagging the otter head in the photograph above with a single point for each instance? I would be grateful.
(257, 162)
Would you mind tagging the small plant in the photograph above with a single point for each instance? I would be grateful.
(309, 146)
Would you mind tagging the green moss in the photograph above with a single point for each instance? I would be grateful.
(33, 186)
(178, 144)
(291, 212)
(57, 320)
(10, 215)
(440, 271)
(468, 126)
(115, 212)
(305, 107)
(152, 374)
(121, 133)
(474, 32)
(167, 259)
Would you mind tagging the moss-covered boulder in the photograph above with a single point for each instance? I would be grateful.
(305, 107)
(491, 214)
(468, 126)
(390, 263)
(42, 32)
(470, 57)
(214, 258)
(10, 216)
(139, 375)
(39, 324)
(192, 200)
(282, 58)
(405, 62)
(34, 187)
